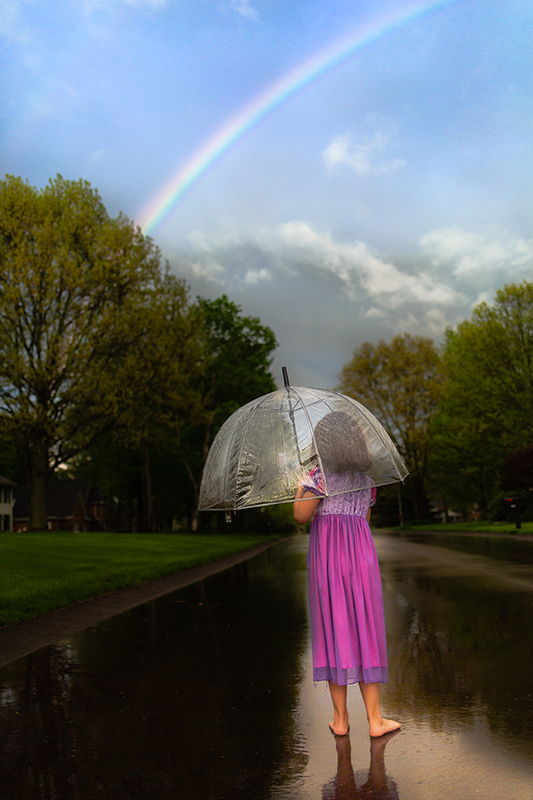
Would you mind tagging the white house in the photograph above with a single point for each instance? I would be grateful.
(7, 501)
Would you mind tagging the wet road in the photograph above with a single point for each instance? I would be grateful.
(207, 692)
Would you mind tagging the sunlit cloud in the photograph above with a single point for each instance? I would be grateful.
(358, 267)
(365, 159)
(467, 252)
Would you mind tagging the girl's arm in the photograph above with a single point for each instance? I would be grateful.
(304, 505)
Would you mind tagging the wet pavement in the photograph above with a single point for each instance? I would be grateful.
(207, 692)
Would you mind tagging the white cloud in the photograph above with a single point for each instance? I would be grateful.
(364, 159)
(375, 313)
(430, 322)
(357, 267)
(483, 297)
(470, 253)
(254, 276)
(297, 249)
(208, 269)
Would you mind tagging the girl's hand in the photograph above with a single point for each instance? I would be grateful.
(300, 491)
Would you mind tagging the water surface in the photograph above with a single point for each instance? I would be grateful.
(208, 692)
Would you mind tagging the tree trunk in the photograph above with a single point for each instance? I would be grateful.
(39, 470)
(147, 493)
(194, 518)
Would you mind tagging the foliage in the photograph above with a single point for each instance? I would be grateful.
(238, 357)
(486, 410)
(84, 304)
(517, 470)
(237, 370)
(400, 383)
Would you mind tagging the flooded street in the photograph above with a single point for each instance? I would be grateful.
(207, 692)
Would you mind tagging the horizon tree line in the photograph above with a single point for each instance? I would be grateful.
(109, 371)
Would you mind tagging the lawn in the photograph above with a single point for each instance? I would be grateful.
(41, 572)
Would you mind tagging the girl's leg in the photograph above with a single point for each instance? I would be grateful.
(341, 721)
(378, 725)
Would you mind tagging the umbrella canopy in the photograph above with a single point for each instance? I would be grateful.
(269, 445)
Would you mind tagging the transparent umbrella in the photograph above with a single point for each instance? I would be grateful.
(263, 450)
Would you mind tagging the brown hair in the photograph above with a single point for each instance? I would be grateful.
(341, 443)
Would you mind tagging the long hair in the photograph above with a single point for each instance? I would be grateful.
(341, 443)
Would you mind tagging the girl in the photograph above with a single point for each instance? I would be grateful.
(346, 601)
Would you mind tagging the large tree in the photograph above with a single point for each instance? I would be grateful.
(81, 345)
(486, 410)
(238, 355)
(400, 383)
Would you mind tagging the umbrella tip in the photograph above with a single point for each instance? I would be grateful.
(285, 377)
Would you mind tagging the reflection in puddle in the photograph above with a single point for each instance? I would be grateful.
(374, 785)
(188, 696)
(462, 643)
(208, 692)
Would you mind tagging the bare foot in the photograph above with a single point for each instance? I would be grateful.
(340, 727)
(385, 726)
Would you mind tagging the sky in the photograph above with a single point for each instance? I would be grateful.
(345, 170)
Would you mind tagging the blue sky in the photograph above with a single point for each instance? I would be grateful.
(388, 195)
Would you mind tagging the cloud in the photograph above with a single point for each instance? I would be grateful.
(242, 7)
(470, 253)
(364, 159)
(207, 269)
(357, 268)
(297, 251)
(254, 276)
(426, 322)
(321, 295)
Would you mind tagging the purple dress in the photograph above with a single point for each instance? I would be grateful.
(345, 596)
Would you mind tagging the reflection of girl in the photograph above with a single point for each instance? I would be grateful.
(346, 602)
(373, 785)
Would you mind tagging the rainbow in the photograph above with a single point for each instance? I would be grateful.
(236, 126)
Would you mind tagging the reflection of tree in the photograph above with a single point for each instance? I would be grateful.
(372, 785)
(39, 737)
(183, 697)
(464, 648)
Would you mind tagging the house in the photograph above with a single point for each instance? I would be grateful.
(7, 501)
(440, 510)
(71, 505)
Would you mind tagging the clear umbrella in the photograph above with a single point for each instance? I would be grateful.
(262, 452)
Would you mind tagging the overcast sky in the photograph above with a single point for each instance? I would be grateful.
(388, 192)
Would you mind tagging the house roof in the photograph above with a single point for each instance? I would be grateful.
(6, 481)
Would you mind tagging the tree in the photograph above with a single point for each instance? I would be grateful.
(237, 369)
(486, 410)
(81, 344)
(400, 383)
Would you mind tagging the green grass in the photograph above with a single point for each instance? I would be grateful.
(40, 572)
(468, 527)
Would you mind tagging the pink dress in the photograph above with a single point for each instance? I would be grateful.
(345, 596)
